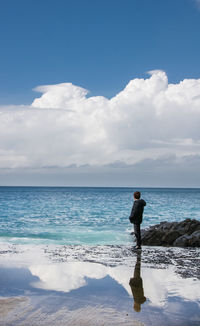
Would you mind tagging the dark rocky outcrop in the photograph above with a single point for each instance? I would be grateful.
(177, 234)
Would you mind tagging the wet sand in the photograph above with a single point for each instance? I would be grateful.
(87, 316)
(100, 285)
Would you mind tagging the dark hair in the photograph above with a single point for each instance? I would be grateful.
(137, 195)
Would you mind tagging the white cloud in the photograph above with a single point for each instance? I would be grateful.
(197, 2)
(66, 277)
(148, 120)
(159, 284)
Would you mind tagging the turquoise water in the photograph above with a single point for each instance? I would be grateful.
(67, 215)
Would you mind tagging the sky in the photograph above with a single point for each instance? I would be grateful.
(100, 93)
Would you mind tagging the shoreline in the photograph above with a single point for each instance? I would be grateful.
(186, 261)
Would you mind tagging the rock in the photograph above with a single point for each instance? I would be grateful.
(169, 237)
(181, 241)
(194, 240)
(178, 234)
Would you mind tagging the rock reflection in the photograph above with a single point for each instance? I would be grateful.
(136, 285)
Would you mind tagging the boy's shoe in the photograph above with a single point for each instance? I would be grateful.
(137, 247)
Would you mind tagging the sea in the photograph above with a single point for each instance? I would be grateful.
(67, 258)
(87, 215)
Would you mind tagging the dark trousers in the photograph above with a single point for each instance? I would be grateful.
(137, 234)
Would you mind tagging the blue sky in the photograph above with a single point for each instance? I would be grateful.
(131, 127)
(99, 45)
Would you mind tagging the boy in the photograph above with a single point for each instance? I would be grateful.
(136, 216)
(136, 285)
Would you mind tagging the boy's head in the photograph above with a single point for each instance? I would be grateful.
(136, 195)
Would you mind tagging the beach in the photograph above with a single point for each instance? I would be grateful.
(91, 285)
(67, 258)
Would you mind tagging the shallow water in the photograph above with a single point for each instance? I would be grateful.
(64, 215)
(57, 288)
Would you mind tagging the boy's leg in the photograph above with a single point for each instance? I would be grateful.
(137, 234)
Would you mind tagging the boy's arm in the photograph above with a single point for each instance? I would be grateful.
(131, 217)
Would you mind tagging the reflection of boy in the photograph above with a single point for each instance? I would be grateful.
(136, 216)
(136, 285)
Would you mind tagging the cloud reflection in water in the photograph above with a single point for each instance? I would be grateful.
(158, 284)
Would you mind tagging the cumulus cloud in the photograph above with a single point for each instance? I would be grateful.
(198, 3)
(148, 120)
(158, 283)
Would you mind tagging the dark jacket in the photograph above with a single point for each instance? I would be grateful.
(137, 211)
